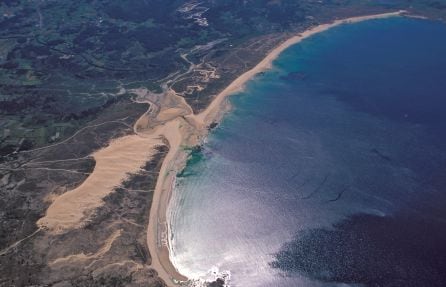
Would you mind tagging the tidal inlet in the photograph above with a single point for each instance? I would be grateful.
(223, 143)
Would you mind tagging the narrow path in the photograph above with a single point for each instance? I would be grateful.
(170, 120)
(17, 243)
(75, 134)
(158, 230)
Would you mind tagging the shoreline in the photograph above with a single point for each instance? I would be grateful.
(169, 121)
(238, 84)
(158, 231)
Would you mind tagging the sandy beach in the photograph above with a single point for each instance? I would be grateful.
(214, 112)
(175, 124)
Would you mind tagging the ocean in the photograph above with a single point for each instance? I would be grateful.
(330, 170)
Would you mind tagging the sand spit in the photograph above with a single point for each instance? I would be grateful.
(169, 119)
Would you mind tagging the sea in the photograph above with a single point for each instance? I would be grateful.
(330, 169)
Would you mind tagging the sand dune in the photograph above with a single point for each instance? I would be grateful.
(171, 119)
(84, 257)
(113, 164)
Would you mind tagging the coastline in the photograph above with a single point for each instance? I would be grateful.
(169, 121)
(211, 112)
(176, 157)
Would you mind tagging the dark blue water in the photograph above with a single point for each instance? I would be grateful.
(331, 168)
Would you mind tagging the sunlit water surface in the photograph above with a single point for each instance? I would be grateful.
(349, 122)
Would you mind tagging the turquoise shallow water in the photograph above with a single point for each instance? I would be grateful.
(330, 170)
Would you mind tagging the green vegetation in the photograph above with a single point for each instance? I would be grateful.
(63, 61)
(66, 68)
